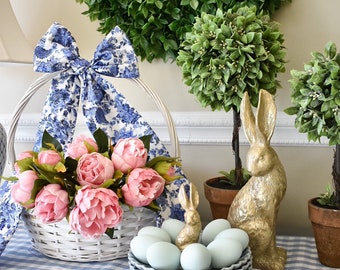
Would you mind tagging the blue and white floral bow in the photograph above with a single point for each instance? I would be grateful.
(80, 82)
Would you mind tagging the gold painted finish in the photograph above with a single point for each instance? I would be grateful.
(256, 205)
(193, 226)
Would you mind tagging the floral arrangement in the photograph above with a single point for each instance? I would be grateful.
(88, 183)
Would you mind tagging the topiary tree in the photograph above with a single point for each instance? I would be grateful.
(316, 103)
(228, 53)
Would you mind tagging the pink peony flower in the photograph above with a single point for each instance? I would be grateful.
(25, 154)
(94, 169)
(129, 154)
(21, 156)
(21, 190)
(80, 146)
(49, 157)
(51, 204)
(96, 210)
(142, 187)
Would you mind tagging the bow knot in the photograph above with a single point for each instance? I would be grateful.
(79, 66)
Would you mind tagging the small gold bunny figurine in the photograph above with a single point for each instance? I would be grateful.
(256, 205)
(193, 226)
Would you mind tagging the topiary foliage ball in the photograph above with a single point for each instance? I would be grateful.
(157, 27)
(315, 96)
(229, 53)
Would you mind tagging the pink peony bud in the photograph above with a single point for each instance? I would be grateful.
(25, 154)
(49, 157)
(21, 156)
(21, 190)
(94, 169)
(80, 146)
(129, 154)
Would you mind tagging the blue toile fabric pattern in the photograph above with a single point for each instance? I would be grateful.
(9, 215)
(79, 83)
(9, 210)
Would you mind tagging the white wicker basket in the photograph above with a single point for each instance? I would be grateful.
(56, 240)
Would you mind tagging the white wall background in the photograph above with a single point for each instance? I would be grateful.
(204, 136)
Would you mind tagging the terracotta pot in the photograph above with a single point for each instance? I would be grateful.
(326, 228)
(219, 199)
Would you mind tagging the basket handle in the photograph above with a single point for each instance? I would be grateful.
(36, 85)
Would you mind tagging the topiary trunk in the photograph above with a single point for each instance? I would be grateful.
(236, 148)
(336, 176)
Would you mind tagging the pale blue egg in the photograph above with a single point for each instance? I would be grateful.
(156, 232)
(236, 234)
(213, 228)
(224, 252)
(195, 257)
(163, 256)
(173, 228)
(139, 245)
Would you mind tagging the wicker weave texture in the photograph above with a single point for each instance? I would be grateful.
(56, 240)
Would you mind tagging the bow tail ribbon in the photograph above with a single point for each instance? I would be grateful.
(106, 108)
(59, 116)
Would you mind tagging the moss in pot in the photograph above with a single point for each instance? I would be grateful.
(226, 54)
(315, 101)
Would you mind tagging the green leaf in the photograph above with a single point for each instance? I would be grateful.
(71, 164)
(155, 160)
(291, 110)
(25, 164)
(109, 182)
(110, 232)
(49, 142)
(102, 140)
(146, 141)
(330, 49)
(159, 4)
(38, 185)
(194, 4)
(153, 206)
(11, 178)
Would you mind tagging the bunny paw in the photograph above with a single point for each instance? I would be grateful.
(274, 261)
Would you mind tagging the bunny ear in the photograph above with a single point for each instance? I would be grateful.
(183, 198)
(248, 119)
(266, 114)
(194, 197)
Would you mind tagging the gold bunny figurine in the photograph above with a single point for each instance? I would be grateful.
(256, 205)
(193, 226)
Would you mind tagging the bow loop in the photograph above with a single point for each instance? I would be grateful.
(115, 56)
(55, 50)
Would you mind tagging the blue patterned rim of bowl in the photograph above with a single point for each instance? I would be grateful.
(9, 215)
(244, 263)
